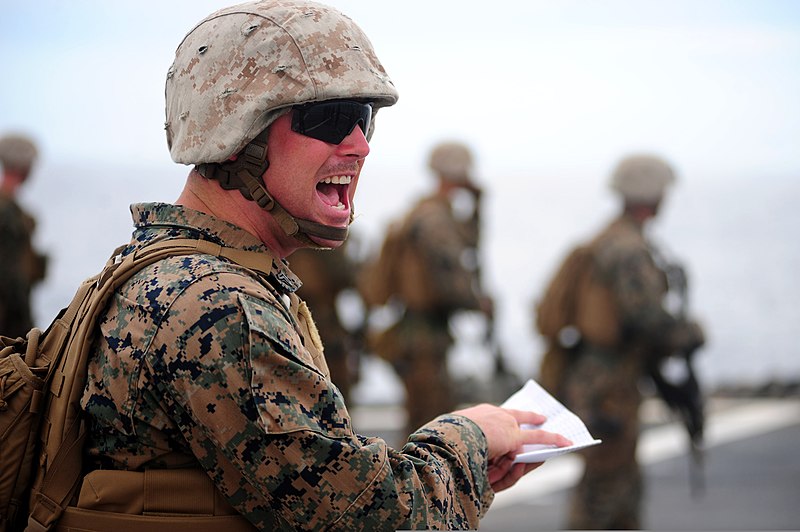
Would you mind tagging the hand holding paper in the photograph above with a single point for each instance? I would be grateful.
(560, 420)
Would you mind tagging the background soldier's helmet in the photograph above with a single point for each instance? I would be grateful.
(452, 161)
(642, 178)
(17, 153)
(243, 66)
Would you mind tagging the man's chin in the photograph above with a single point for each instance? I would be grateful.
(325, 243)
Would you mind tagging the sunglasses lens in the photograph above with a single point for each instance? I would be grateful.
(331, 121)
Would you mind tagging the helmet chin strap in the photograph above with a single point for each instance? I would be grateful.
(244, 174)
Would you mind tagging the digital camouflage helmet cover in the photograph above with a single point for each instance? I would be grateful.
(18, 153)
(242, 67)
(642, 178)
(452, 161)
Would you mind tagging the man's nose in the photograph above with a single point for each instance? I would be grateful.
(355, 144)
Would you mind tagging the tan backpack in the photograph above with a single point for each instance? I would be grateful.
(380, 277)
(42, 378)
(576, 306)
(402, 269)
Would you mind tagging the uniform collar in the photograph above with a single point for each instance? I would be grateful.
(157, 221)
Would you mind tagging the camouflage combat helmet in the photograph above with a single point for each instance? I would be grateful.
(452, 161)
(642, 178)
(242, 67)
(17, 153)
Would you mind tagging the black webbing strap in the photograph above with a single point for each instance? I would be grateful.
(244, 174)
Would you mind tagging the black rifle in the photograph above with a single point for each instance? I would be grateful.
(683, 394)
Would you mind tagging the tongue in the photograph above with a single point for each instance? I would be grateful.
(329, 193)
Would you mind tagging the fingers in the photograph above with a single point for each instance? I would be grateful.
(499, 468)
(529, 435)
(512, 476)
(543, 437)
(506, 431)
(526, 417)
(503, 473)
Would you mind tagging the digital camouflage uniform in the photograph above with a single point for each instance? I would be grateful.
(21, 267)
(325, 274)
(605, 319)
(436, 242)
(601, 386)
(202, 362)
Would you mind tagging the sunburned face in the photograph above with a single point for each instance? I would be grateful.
(312, 179)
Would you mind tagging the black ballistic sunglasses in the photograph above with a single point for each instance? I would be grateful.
(331, 121)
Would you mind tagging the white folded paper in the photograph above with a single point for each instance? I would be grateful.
(560, 420)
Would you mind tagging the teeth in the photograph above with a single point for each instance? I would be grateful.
(338, 180)
(340, 206)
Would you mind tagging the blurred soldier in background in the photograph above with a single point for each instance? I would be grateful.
(326, 274)
(428, 267)
(607, 323)
(21, 267)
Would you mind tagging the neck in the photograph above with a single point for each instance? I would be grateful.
(640, 212)
(206, 195)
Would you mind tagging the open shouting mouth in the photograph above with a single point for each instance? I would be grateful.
(334, 192)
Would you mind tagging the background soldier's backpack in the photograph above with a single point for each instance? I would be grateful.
(404, 269)
(400, 270)
(576, 307)
(42, 378)
(557, 308)
(380, 277)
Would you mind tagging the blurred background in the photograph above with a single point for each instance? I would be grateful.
(548, 94)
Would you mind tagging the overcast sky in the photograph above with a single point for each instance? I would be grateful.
(712, 85)
(550, 94)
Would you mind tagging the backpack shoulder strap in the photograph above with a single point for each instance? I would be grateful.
(66, 347)
(253, 260)
(557, 308)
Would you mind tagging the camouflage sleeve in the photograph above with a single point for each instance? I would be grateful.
(276, 437)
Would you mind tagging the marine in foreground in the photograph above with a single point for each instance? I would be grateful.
(205, 366)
